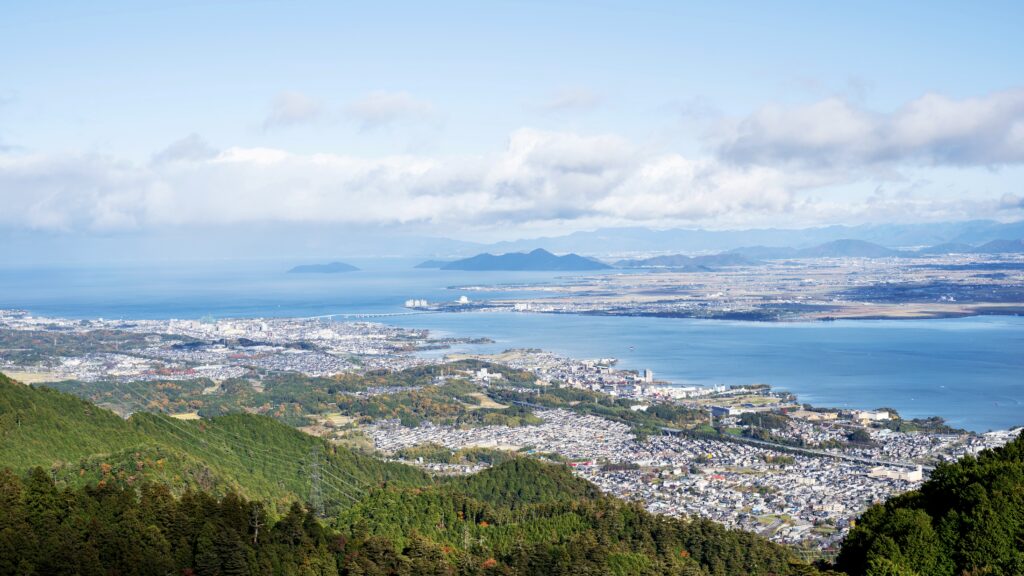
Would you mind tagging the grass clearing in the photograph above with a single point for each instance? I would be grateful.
(187, 416)
(337, 419)
(31, 377)
(486, 401)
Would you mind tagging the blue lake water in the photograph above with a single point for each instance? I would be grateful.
(238, 289)
(969, 371)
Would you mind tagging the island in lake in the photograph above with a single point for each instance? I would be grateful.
(332, 268)
(537, 260)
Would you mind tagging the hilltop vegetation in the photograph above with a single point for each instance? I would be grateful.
(108, 529)
(296, 399)
(967, 519)
(532, 518)
(559, 526)
(83, 491)
(258, 457)
(643, 422)
(89, 493)
(32, 347)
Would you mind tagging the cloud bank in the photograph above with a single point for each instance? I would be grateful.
(932, 129)
(794, 165)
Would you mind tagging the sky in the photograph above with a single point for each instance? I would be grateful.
(500, 120)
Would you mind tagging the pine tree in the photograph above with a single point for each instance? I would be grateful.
(207, 560)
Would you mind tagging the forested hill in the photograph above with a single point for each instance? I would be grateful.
(536, 518)
(968, 518)
(82, 444)
(84, 491)
(111, 529)
(138, 496)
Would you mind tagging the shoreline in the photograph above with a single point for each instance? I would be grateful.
(832, 314)
(580, 338)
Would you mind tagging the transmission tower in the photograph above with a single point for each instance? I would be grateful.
(316, 495)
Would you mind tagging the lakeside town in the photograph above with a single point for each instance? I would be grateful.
(762, 461)
(790, 289)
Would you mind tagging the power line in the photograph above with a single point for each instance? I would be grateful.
(316, 497)
(267, 451)
(180, 427)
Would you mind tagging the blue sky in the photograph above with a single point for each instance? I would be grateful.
(505, 119)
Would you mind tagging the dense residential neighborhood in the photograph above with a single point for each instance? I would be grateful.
(762, 462)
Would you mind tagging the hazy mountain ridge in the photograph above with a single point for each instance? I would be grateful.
(895, 236)
(321, 241)
(696, 263)
(845, 248)
(535, 260)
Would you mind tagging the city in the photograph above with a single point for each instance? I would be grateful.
(799, 479)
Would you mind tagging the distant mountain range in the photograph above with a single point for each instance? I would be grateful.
(323, 241)
(640, 240)
(689, 263)
(332, 268)
(1002, 247)
(947, 248)
(845, 248)
(540, 259)
(536, 260)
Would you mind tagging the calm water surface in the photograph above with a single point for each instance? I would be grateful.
(970, 371)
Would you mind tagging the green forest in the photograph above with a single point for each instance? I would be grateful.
(80, 444)
(87, 492)
(412, 396)
(968, 518)
(559, 525)
(83, 491)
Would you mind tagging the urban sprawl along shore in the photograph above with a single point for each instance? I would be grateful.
(762, 461)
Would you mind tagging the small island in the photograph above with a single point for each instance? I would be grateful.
(537, 260)
(331, 268)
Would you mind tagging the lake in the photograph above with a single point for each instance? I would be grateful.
(969, 371)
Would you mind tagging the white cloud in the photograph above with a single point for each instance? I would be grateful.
(572, 99)
(539, 180)
(191, 148)
(291, 108)
(378, 109)
(541, 176)
(1012, 202)
(930, 130)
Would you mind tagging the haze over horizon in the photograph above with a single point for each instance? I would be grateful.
(125, 124)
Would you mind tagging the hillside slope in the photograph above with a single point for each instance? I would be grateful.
(256, 456)
(538, 518)
(968, 518)
(521, 517)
